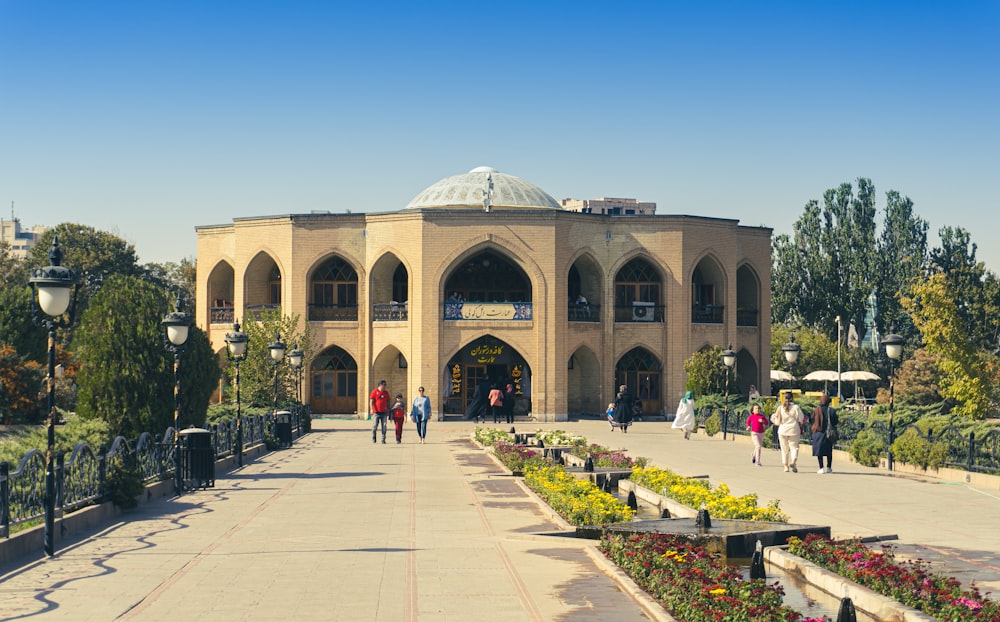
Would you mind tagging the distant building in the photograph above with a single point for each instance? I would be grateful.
(20, 240)
(609, 206)
(484, 277)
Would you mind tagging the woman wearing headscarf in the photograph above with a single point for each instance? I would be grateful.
(684, 419)
(824, 419)
(788, 417)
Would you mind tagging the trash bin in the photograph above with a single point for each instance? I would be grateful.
(283, 428)
(197, 459)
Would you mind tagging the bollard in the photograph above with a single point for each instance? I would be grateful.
(846, 613)
(757, 563)
(588, 465)
(632, 502)
(664, 513)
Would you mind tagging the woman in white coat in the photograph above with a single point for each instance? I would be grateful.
(684, 419)
(788, 418)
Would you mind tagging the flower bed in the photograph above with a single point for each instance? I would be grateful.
(517, 457)
(560, 438)
(909, 582)
(607, 458)
(694, 492)
(487, 437)
(692, 585)
(578, 501)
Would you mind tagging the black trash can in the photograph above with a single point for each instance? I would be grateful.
(197, 459)
(283, 428)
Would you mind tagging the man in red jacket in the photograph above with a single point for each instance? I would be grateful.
(379, 405)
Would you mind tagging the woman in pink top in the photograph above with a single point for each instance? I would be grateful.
(757, 424)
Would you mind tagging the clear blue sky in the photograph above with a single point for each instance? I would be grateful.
(150, 118)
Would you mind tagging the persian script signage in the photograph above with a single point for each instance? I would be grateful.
(487, 311)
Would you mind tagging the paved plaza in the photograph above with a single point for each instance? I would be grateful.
(337, 528)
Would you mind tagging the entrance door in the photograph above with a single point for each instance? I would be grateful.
(644, 386)
(335, 391)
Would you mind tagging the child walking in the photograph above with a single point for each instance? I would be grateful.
(398, 413)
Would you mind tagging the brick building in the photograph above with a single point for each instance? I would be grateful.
(483, 277)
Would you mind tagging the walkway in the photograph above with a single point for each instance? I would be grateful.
(339, 529)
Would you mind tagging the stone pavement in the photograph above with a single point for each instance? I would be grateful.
(337, 528)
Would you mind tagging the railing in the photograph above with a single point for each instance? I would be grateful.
(746, 317)
(221, 315)
(707, 314)
(84, 478)
(963, 452)
(639, 313)
(389, 312)
(489, 311)
(254, 311)
(584, 312)
(332, 313)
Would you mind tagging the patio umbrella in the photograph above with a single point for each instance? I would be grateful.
(781, 375)
(859, 375)
(825, 375)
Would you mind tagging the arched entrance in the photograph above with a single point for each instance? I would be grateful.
(334, 382)
(640, 371)
(478, 364)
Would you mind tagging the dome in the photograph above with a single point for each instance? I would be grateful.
(467, 191)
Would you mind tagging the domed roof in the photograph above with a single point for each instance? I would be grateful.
(468, 190)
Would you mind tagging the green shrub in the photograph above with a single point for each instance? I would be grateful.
(868, 448)
(713, 425)
(912, 448)
(124, 483)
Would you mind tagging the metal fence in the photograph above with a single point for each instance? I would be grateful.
(83, 478)
(963, 451)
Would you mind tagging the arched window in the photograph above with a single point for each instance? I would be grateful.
(334, 292)
(274, 286)
(637, 293)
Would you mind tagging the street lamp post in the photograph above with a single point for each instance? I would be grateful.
(729, 360)
(52, 285)
(236, 351)
(295, 357)
(176, 327)
(893, 344)
(791, 351)
(276, 350)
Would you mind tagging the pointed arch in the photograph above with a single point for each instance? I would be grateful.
(747, 296)
(333, 382)
(262, 285)
(333, 290)
(708, 291)
(221, 292)
(641, 372)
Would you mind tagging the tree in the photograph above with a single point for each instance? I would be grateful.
(175, 277)
(976, 290)
(969, 375)
(20, 382)
(257, 372)
(705, 372)
(93, 254)
(902, 254)
(126, 374)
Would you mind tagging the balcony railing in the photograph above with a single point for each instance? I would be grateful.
(254, 311)
(707, 314)
(221, 315)
(333, 313)
(640, 313)
(389, 312)
(488, 311)
(746, 317)
(584, 313)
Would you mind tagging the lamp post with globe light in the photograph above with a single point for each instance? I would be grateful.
(295, 357)
(729, 360)
(55, 287)
(893, 345)
(791, 351)
(176, 329)
(236, 351)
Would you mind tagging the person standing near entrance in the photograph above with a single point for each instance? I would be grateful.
(623, 408)
(420, 412)
(508, 403)
(378, 403)
(496, 402)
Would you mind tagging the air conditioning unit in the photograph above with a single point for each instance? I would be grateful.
(643, 311)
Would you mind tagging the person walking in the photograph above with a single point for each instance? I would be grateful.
(824, 420)
(757, 423)
(508, 402)
(788, 418)
(398, 417)
(420, 413)
(496, 402)
(754, 394)
(684, 418)
(378, 404)
(623, 408)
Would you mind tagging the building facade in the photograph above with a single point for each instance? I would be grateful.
(485, 278)
(20, 240)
